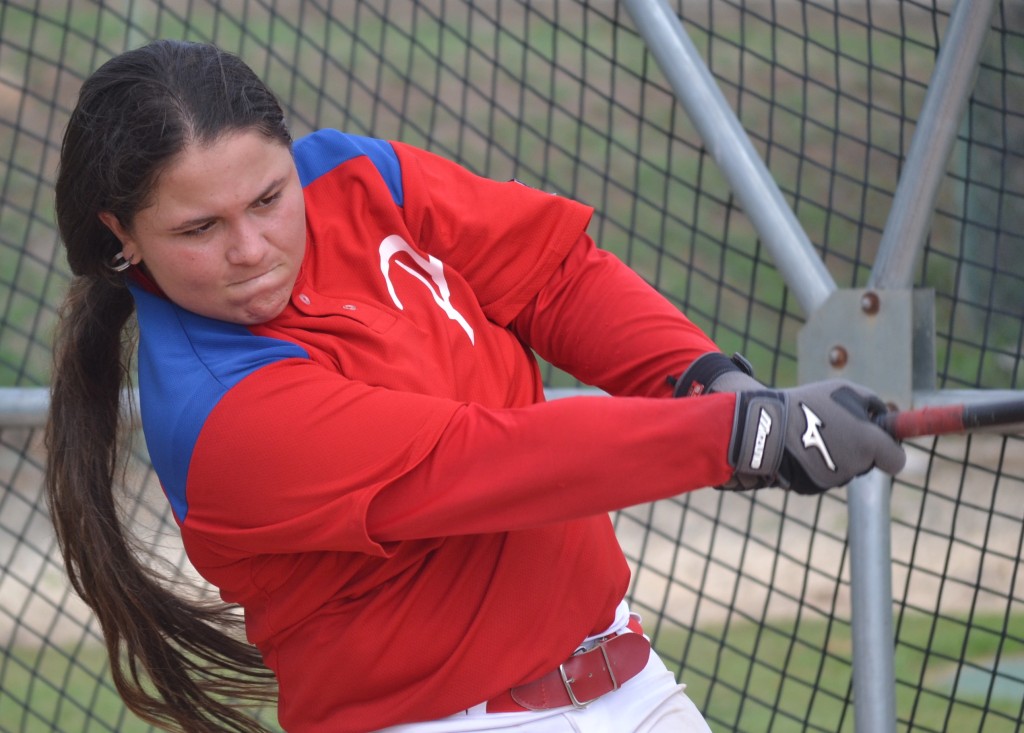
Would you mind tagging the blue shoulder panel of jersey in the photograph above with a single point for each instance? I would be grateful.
(324, 150)
(186, 364)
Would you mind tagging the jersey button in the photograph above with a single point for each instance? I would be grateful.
(304, 299)
(348, 307)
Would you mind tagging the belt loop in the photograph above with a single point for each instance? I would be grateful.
(608, 665)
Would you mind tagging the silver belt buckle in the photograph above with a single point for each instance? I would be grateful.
(567, 681)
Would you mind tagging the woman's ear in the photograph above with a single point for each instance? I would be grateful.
(111, 222)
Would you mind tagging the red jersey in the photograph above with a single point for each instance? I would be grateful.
(374, 474)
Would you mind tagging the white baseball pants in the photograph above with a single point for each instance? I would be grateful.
(651, 702)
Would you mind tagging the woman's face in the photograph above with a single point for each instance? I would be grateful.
(225, 233)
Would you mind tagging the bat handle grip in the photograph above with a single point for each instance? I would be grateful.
(922, 421)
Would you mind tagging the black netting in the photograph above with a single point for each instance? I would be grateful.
(748, 596)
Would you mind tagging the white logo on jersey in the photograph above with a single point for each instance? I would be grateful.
(764, 429)
(394, 244)
(812, 438)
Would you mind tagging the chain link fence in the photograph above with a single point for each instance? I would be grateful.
(747, 595)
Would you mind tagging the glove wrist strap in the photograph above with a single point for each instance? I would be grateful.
(706, 370)
(759, 437)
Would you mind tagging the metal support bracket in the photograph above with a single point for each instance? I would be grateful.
(882, 339)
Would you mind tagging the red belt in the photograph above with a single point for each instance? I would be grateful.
(582, 678)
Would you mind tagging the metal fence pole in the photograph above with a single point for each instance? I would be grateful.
(874, 679)
(942, 112)
(23, 407)
(27, 407)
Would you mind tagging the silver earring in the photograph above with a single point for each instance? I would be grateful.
(120, 263)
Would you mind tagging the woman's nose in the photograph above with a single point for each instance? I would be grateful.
(247, 245)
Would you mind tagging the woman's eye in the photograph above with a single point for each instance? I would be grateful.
(198, 230)
(267, 200)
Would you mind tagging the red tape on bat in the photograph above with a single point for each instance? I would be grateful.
(923, 421)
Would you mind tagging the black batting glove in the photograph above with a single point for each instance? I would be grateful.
(715, 372)
(809, 438)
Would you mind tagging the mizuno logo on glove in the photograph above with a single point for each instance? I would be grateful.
(812, 436)
(764, 429)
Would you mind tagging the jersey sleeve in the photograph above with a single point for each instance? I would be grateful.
(601, 322)
(521, 468)
(504, 237)
(319, 462)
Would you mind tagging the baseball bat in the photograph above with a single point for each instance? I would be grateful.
(946, 419)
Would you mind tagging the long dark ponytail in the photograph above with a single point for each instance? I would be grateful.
(178, 662)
